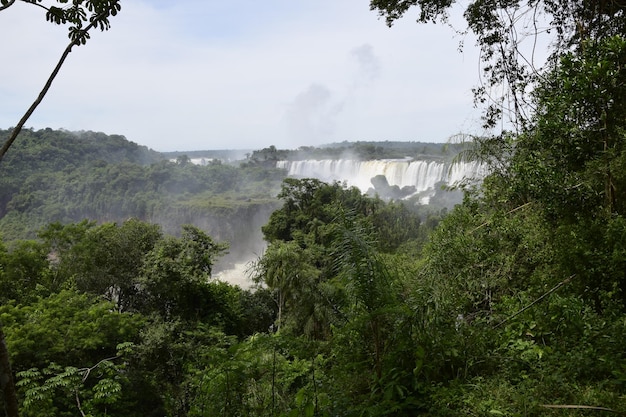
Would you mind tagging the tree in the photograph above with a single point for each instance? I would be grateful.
(19, 272)
(81, 17)
(522, 288)
(23, 270)
(102, 260)
(519, 299)
(285, 269)
(174, 277)
(580, 132)
(7, 384)
(300, 261)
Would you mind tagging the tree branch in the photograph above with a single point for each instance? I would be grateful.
(88, 370)
(582, 407)
(556, 287)
(78, 404)
(17, 129)
(6, 6)
(34, 3)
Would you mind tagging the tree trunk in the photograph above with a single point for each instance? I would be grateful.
(6, 380)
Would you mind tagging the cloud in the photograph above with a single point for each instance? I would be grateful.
(193, 74)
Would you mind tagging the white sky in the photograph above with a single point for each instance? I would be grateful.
(242, 74)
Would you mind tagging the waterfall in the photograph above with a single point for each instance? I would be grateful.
(423, 175)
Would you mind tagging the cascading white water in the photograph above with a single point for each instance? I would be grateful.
(423, 175)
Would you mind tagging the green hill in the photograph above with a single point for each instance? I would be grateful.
(60, 176)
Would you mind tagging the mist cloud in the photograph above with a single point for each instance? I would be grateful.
(312, 114)
(369, 64)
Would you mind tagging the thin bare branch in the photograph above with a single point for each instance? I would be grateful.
(556, 287)
(582, 407)
(34, 3)
(88, 370)
(80, 408)
(18, 128)
(508, 212)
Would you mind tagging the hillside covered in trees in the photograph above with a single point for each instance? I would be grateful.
(58, 176)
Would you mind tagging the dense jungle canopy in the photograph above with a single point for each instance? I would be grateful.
(512, 304)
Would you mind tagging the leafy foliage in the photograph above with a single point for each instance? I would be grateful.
(44, 388)
(65, 338)
(78, 16)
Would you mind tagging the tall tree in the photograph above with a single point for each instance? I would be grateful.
(285, 268)
(174, 278)
(522, 288)
(6, 379)
(65, 330)
(103, 260)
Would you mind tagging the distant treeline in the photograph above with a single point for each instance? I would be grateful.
(359, 150)
(60, 176)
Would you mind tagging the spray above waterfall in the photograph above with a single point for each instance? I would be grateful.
(418, 171)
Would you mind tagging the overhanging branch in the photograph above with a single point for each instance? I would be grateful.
(6, 6)
(18, 128)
